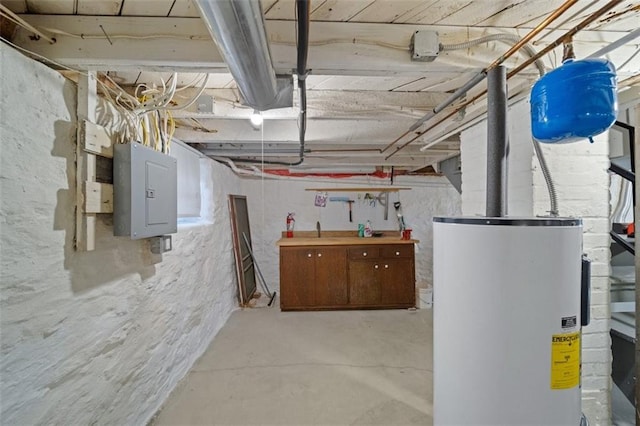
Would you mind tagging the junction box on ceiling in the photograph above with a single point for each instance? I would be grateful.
(424, 46)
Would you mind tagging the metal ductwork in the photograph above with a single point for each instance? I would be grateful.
(237, 27)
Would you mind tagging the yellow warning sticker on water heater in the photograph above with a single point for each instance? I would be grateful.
(565, 360)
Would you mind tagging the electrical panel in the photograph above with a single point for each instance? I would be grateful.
(144, 192)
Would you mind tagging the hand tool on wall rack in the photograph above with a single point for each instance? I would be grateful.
(261, 280)
(398, 208)
(383, 199)
(345, 200)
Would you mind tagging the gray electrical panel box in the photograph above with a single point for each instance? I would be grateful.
(144, 192)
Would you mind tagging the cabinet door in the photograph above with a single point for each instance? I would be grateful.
(331, 276)
(364, 282)
(297, 277)
(398, 282)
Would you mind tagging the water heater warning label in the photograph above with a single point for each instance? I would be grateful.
(565, 360)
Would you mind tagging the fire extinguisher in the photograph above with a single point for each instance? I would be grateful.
(290, 222)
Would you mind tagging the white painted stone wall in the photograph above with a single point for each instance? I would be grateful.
(579, 171)
(96, 337)
(269, 202)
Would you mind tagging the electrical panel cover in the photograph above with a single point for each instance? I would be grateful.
(145, 192)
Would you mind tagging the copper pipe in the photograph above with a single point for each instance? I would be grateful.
(443, 119)
(524, 40)
(347, 150)
(538, 28)
(395, 141)
(568, 36)
(528, 62)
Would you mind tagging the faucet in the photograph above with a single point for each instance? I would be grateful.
(318, 228)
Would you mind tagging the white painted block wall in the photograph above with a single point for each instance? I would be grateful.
(269, 202)
(94, 337)
(474, 163)
(579, 171)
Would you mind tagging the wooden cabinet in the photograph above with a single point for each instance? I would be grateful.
(331, 277)
(364, 275)
(364, 282)
(347, 277)
(297, 282)
(312, 277)
(398, 275)
(382, 276)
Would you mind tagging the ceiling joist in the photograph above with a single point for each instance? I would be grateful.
(336, 48)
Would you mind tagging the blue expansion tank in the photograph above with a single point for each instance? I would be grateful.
(576, 100)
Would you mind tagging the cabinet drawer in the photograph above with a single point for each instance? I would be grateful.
(363, 252)
(397, 251)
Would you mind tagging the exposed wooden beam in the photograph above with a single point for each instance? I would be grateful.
(346, 131)
(336, 48)
(324, 104)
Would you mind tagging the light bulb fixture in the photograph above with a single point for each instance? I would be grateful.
(256, 118)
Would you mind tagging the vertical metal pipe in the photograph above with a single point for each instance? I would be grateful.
(497, 142)
(635, 142)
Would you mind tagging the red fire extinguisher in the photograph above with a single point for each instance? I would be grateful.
(290, 222)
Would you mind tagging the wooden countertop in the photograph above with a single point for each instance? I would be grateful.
(341, 241)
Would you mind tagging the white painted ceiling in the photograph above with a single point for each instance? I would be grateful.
(363, 92)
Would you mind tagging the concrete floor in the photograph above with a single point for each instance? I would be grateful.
(303, 368)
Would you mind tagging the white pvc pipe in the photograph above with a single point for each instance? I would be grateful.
(616, 44)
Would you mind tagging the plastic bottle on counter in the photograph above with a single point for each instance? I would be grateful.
(368, 231)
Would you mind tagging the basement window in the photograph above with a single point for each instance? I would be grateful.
(189, 194)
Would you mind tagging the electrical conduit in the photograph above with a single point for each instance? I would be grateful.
(482, 75)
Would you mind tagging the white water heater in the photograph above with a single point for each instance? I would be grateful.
(507, 299)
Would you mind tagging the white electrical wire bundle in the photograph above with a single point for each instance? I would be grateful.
(146, 115)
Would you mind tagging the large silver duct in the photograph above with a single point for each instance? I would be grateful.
(237, 27)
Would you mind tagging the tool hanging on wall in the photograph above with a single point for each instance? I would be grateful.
(383, 199)
(398, 208)
(262, 281)
(345, 200)
(371, 199)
